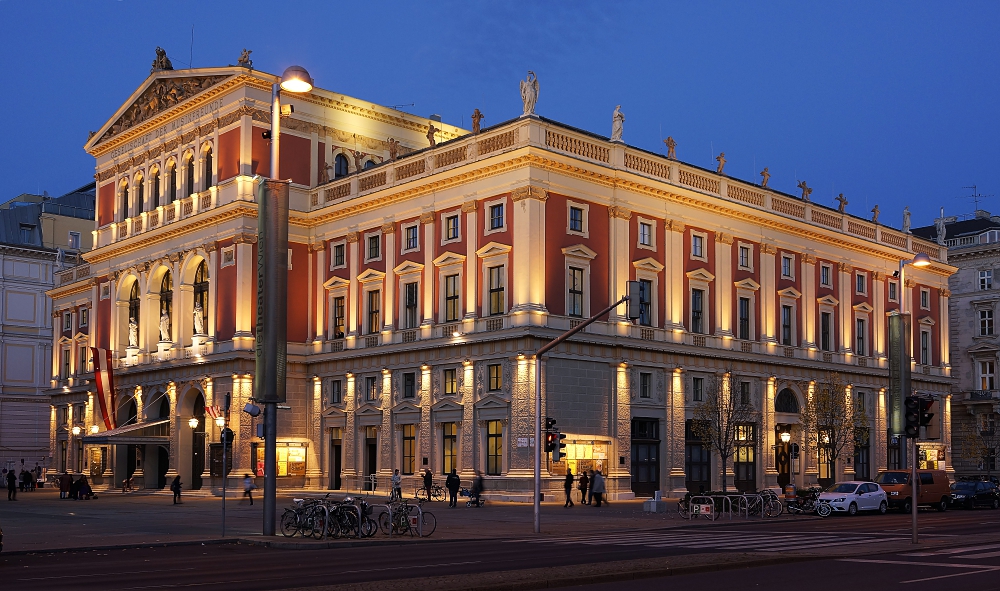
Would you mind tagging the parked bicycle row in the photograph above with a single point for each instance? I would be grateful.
(351, 517)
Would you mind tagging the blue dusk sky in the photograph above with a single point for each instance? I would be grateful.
(890, 103)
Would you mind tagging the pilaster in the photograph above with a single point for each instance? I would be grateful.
(808, 305)
(944, 335)
(389, 313)
(620, 267)
(246, 289)
(354, 296)
(879, 324)
(768, 292)
(673, 309)
(676, 423)
(427, 284)
(528, 255)
(471, 245)
(845, 308)
(723, 284)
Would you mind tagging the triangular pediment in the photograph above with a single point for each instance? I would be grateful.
(159, 94)
(405, 407)
(828, 300)
(492, 401)
(446, 406)
(700, 275)
(864, 307)
(492, 249)
(334, 412)
(579, 251)
(80, 336)
(368, 409)
(790, 292)
(65, 340)
(408, 267)
(983, 349)
(371, 275)
(336, 283)
(926, 321)
(449, 258)
(648, 264)
(748, 284)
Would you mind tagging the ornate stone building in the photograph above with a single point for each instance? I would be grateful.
(421, 279)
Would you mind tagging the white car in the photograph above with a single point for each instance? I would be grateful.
(853, 496)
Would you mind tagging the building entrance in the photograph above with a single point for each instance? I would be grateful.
(697, 461)
(645, 457)
(336, 463)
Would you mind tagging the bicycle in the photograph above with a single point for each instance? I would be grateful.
(437, 493)
(402, 522)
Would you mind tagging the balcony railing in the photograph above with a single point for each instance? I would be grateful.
(984, 394)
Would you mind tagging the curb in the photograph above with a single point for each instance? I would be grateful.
(209, 542)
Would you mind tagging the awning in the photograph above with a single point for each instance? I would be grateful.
(155, 432)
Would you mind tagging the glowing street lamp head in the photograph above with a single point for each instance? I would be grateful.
(76, 430)
(193, 422)
(296, 79)
(94, 428)
(786, 437)
(220, 421)
(921, 260)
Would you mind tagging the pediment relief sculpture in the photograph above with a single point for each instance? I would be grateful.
(161, 95)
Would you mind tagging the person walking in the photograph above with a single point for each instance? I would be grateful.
(65, 480)
(175, 486)
(397, 486)
(248, 486)
(597, 486)
(11, 486)
(428, 482)
(452, 483)
(568, 485)
(477, 489)
(590, 491)
(584, 483)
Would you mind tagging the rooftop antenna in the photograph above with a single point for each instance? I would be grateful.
(191, 55)
(976, 196)
(396, 107)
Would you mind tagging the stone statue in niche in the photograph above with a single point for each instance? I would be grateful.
(806, 191)
(161, 61)
(393, 148)
(133, 334)
(199, 318)
(358, 157)
(431, 130)
(477, 118)
(721, 159)
(766, 176)
(245, 60)
(875, 212)
(529, 93)
(617, 124)
(671, 148)
(165, 326)
(324, 174)
(906, 219)
(843, 203)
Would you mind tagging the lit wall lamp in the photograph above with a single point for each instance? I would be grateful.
(94, 429)
(193, 422)
(385, 371)
(76, 430)
(220, 421)
(785, 436)
(349, 374)
(467, 362)
(520, 356)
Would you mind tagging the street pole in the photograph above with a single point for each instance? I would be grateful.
(913, 488)
(224, 477)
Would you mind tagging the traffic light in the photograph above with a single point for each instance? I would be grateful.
(558, 447)
(550, 441)
(227, 436)
(638, 298)
(927, 408)
(911, 416)
(550, 424)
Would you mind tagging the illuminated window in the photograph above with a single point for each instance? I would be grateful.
(495, 377)
(409, 447)
(494, 448)
(449, 448)
(450, 382)
(987, 375)
(451, 294)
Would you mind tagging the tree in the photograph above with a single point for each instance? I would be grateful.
(981, 441)
(719, 417)
(833, 421)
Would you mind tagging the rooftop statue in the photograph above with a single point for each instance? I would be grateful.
(529, 93)
(671, 148)
(618, 122)
(393, 148)
(245, 60)
(806, 191)
(431, 130)
(875, 212)
(906, 219)
(161, 62)
(721, 159)
(477, 118)
(766, 176)
(843, 203)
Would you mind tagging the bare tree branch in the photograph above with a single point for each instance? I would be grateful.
(834, 421)
(718, 418)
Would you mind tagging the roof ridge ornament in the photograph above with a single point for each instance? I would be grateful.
(161, 61)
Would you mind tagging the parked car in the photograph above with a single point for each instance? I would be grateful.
(855, 495)
(982, 477)
(933, 489)
(970, 493)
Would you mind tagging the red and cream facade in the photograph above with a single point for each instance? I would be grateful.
(419, 287)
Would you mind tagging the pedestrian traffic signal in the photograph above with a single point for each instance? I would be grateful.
(794, 451)
(550, 441)
(638, 297)
(911, 416)
(558, 446)
(550, 423)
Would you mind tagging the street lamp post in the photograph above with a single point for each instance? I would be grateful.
(272, 288)
(221, 422)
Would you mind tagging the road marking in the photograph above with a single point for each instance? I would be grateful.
(134, 572)
(975, 572)
(980, 555)
(953, 551)
(912, 563)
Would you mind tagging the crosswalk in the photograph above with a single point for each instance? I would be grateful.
(715, 539)
(962, 553)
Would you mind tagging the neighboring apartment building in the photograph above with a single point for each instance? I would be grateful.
(421, 279)
(39, 236)
(974, 247)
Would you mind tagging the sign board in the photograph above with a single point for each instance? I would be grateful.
(414, 521)
(899, 369)
(600, 451)
(522, 442)
(702, 509)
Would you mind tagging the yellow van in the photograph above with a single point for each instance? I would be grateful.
(933, 489)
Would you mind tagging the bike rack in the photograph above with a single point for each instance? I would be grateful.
(326, 524)
(694, 500)
(725, 500)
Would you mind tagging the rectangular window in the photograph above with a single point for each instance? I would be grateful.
(338, 255)
(336, 392)
(825, 326)
(925, 299)
(697, 245)
(646, 305)
(84, 316)
(745, 256)
(860, 284)
(371, 388)
(786, 267)
(65, 364)
(81, 360)
(409, 385)
(986, 279)
(67, 321)
(450, 382)
(925, 347)
(576, 219)
(451, 291)
(74, 240)
(893, 295)
(861, 335)
(575, 292)
(744, 319)
(409, 447)
(697, 311)
(451, 227)
(449, 449)
(27, 233)
(496, 290)
(496, 216)
(495, 376)
(786, 326)
(745, 393)
(374, 301)
(374, 244)
(985, 323)
(645, 234)
(338, 317)
(645, 385)
(824, 276)
(987, 375)
(494, 448)
(410, 295)
(697, 389)
(411, 238)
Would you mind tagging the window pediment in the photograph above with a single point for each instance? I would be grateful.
(828, 300)
(336, 283)
(492, 249)
(747, 284)
(649, 264)
(371, 275)
(408, 267)
(406, 408)
(926, 321)
(700, 275)
(983, 350)
(449, 258)
(864, 307)
(579, 251)
(446, 405)
(368, 409)
(790, 292)
(492, 402)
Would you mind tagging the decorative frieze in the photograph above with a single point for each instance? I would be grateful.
(352, 237)
(617, 211)
(427, 218)
(388, 228)
(529, 192)
(469, 206)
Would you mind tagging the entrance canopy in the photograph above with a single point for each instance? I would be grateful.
(153, 432)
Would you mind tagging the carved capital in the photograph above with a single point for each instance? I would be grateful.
(945, 293)
(352, 237)
(723, 238)
(245, 238)
(768, 248)
(469, 206)
(529, 192)
(427, 218)
(146, 266)
(878, 276)
(115, 275)
(846, 267)
(910, 283)
(675, 226)
(209, 247)
(808, 259)
(389, 228)
(317, 246)
(616, 211)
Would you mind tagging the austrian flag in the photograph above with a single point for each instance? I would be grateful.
(104, 375)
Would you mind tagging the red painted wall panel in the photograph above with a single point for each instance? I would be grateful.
(740, 275)
(225, 303)
(691, 264)
(297, 329)
(229, 154)
(106, 204)
(260, 152)
(102, 320)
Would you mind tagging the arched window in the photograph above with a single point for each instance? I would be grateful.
(167, 299)
(172, 182)
(140, 193)
(369, 164)
(786, 402)
(201, 289)
(208, 169)
(123, 203)
(339, 166)
(131, 413)
(154, 185)
(164, 409)
(133, 303)
(190, 175)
